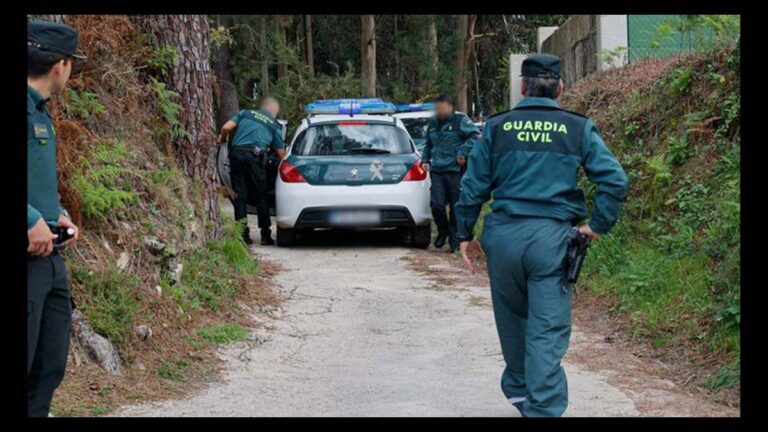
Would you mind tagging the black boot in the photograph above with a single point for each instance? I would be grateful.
(440, 240)
(248, 240)
(266, 238)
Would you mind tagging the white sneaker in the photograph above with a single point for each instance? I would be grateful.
(516, 400)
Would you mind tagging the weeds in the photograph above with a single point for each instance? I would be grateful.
(223, 333)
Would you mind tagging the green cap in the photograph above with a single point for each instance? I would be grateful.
(53, 37)
(541, 66)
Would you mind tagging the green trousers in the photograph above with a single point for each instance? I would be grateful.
(532, 308)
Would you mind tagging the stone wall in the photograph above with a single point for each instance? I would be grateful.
(576, 43)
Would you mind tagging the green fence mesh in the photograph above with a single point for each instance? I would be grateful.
(658, 36)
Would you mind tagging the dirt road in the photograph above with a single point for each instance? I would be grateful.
(370, 328)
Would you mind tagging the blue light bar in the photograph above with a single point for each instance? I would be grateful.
(350, 106)
(405, 107)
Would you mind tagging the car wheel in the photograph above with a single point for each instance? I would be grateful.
(286, 237)
(421, 236)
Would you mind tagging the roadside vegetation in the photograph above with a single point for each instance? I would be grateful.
(162, 307)
(670, 269)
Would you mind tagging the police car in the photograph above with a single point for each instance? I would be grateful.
(415, 117)
(271, 171)
(351, 164)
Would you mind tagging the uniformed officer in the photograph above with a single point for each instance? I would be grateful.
(256, 133)
(449, 141)
(51, 49)
(528, 161)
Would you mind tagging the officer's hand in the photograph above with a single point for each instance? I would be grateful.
(461, 161)
(425, 165)
(40, 239)
(470, 250)
(65, 223)
(585, 229)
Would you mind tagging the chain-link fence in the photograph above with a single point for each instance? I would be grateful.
(658, 36)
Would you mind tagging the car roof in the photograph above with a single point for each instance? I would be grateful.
(317, 118)
(414, 114)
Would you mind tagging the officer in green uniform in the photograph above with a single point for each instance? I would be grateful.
(528, 161)
(256, 133)
(449, 141)
(51, 49)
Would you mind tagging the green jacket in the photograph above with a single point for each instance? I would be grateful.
(448, 139)
(42, 188)
(529, 159)
(259, 128)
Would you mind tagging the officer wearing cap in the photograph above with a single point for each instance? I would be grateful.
(449, 140)
(528, 160)
(51, 50)
(256, 133)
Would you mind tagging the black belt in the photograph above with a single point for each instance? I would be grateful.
(253, 148)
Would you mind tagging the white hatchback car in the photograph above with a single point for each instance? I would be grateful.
(351, 164)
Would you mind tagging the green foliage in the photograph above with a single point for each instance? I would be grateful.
(173, 370)
(223, 333)
(214, 274)
(170, 111)
(83, 105)
(614, 56)
(162, 59)
(698, 32)
(110, 304)
(103, 185)
(672, 262)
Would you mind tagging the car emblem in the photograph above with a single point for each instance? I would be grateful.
(353, 174)
(375, 168)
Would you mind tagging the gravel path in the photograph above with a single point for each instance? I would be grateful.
(369, 328)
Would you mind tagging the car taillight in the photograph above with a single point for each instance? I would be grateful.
(416, 173)
(290, 174)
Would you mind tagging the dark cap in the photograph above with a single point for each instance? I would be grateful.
(53, 37)
(541, 66)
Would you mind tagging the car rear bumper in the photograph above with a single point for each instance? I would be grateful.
(301, 205)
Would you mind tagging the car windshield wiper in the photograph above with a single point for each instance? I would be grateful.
(369, 150)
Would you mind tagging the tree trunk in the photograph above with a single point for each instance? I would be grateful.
(460, 77)
(283, 22)
(264, 56)
(368, 54)
(432, 43)
(226, 96)
(191, 79)
(310, 53)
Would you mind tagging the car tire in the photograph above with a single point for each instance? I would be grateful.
(421, 236)
(286, 237)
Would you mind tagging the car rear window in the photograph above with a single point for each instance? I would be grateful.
(417, 127)
(351, 138)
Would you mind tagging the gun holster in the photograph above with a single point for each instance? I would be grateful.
(575, 254)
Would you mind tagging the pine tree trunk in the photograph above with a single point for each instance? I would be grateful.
(368, 54)
(432, 43)
(310, 53)
(191, 79)
(226, 97)
(460, 77)
(263, 55)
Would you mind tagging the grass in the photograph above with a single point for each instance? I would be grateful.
(213, 275)
(223, 333)
(173, 370)
(109, 302)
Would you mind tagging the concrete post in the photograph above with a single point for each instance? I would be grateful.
(542, 33)
(515, 63)
(612, 33)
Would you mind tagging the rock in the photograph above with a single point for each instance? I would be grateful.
(96, 347)
(122, 262)
(154, 245)
(175, 272)
(159, 289)
(140, 365)
(143, 332)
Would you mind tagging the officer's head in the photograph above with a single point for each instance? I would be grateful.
(270, 105)
(51, 50)
(443, 106)
(541, 76)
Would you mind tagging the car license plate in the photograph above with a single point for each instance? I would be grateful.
(355, 217)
